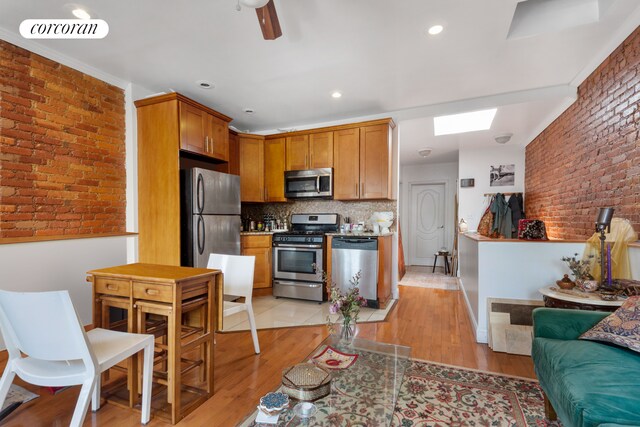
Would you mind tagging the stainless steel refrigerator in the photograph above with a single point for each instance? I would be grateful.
(210, 215)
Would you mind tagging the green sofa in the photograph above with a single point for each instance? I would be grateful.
(588, 383)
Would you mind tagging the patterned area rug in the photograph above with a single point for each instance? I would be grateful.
(441, 395)
(18, 394)
(422, 277)
(435, 395)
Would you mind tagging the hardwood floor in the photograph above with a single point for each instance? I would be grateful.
(433, 322)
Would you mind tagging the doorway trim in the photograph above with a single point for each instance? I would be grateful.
(447, 212)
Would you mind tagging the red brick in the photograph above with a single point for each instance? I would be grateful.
(587, 158)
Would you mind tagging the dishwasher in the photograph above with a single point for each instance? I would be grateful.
(350, 255)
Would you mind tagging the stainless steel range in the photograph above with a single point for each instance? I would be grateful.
(299, 254)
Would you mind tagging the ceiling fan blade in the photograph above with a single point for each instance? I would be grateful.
(268, 20)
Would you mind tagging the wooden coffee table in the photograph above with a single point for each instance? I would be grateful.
(573, 299)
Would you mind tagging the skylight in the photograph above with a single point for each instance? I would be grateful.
(464, 122)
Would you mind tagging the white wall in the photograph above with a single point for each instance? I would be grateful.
(58, 265)
(425, 174)
(508, 269)
(132, 93)
(476, 163)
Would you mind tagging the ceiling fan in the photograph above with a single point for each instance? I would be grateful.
(267, 17)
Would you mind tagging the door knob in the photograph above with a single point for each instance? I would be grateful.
(442, 226)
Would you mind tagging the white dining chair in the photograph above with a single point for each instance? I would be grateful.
(48, 346)
(238, 271)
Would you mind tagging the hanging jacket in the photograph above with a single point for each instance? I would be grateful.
(517, 212)
(501, 216)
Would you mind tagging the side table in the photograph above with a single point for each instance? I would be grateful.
(560, 298)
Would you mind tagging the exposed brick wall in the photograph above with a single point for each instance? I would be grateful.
(589, 157)
(62, 149)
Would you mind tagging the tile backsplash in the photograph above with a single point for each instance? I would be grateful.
(355, 210)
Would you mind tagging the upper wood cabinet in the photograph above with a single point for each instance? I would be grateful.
(251, 168)
(218, 138)
(297, 152)
(310, 151)
(166, 125)
(234, 154)
(192, 129)
(375, 162)
(362, 163)
(346, 164)
(274, 161)
(321, 150)
(202, 132)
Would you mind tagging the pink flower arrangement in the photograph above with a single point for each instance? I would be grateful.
(347, 304)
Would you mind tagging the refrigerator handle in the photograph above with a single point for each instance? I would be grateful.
(200, 193)
(200, 236)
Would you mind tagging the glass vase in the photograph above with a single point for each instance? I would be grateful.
(347, 329)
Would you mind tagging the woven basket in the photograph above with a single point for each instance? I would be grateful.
(306, 382)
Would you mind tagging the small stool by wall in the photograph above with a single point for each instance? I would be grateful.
(445, 255)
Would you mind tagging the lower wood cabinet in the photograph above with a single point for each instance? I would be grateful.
(260, 247)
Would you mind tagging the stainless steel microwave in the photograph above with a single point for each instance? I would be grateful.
(309, 183)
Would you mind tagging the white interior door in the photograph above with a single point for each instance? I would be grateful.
(427, 222)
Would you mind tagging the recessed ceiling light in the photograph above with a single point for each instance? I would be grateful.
(249, 110)
(336, 94)
(464, 122)
(436, 29)
(204, 84)
(81, 13)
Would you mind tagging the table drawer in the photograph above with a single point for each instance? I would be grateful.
(113, 286)
(153, 291)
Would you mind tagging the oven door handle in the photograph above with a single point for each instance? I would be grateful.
(318, 184)
(304, 285)
(296, 247)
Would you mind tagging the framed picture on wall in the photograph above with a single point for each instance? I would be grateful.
(502, 175)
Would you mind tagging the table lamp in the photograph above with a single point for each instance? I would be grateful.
(603, 222)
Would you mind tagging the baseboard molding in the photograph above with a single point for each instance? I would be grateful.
(481, 334)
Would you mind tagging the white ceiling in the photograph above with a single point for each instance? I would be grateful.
(374, 51)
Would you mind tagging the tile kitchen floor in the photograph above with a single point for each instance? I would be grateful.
(271, 312)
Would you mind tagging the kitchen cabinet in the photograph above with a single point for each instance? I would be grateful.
(321, 150)
(274, 161)
(362, 163)
(234, 154)
(375, 162)
(167, 124)
(346, 164)
(260, 247)
(384, 270)
(310, 151)
(251, 149)
(202, 132)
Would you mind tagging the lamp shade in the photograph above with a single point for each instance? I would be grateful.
(604, 218)
(256, 4)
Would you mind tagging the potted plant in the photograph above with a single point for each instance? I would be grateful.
(581, 271)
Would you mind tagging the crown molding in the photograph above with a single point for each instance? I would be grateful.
(54, 55)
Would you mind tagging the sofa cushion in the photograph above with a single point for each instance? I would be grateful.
(589, 383)
(622, 327)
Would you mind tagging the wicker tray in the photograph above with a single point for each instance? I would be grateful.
(306, 382)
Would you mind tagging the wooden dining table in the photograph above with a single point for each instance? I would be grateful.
(169, 288)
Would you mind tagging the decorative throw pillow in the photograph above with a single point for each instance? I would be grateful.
(622, 327)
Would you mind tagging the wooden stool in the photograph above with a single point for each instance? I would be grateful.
(444, 254)
(126, 325)
(180, 338)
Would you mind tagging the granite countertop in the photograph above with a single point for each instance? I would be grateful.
(256, 233)
(361, 234)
